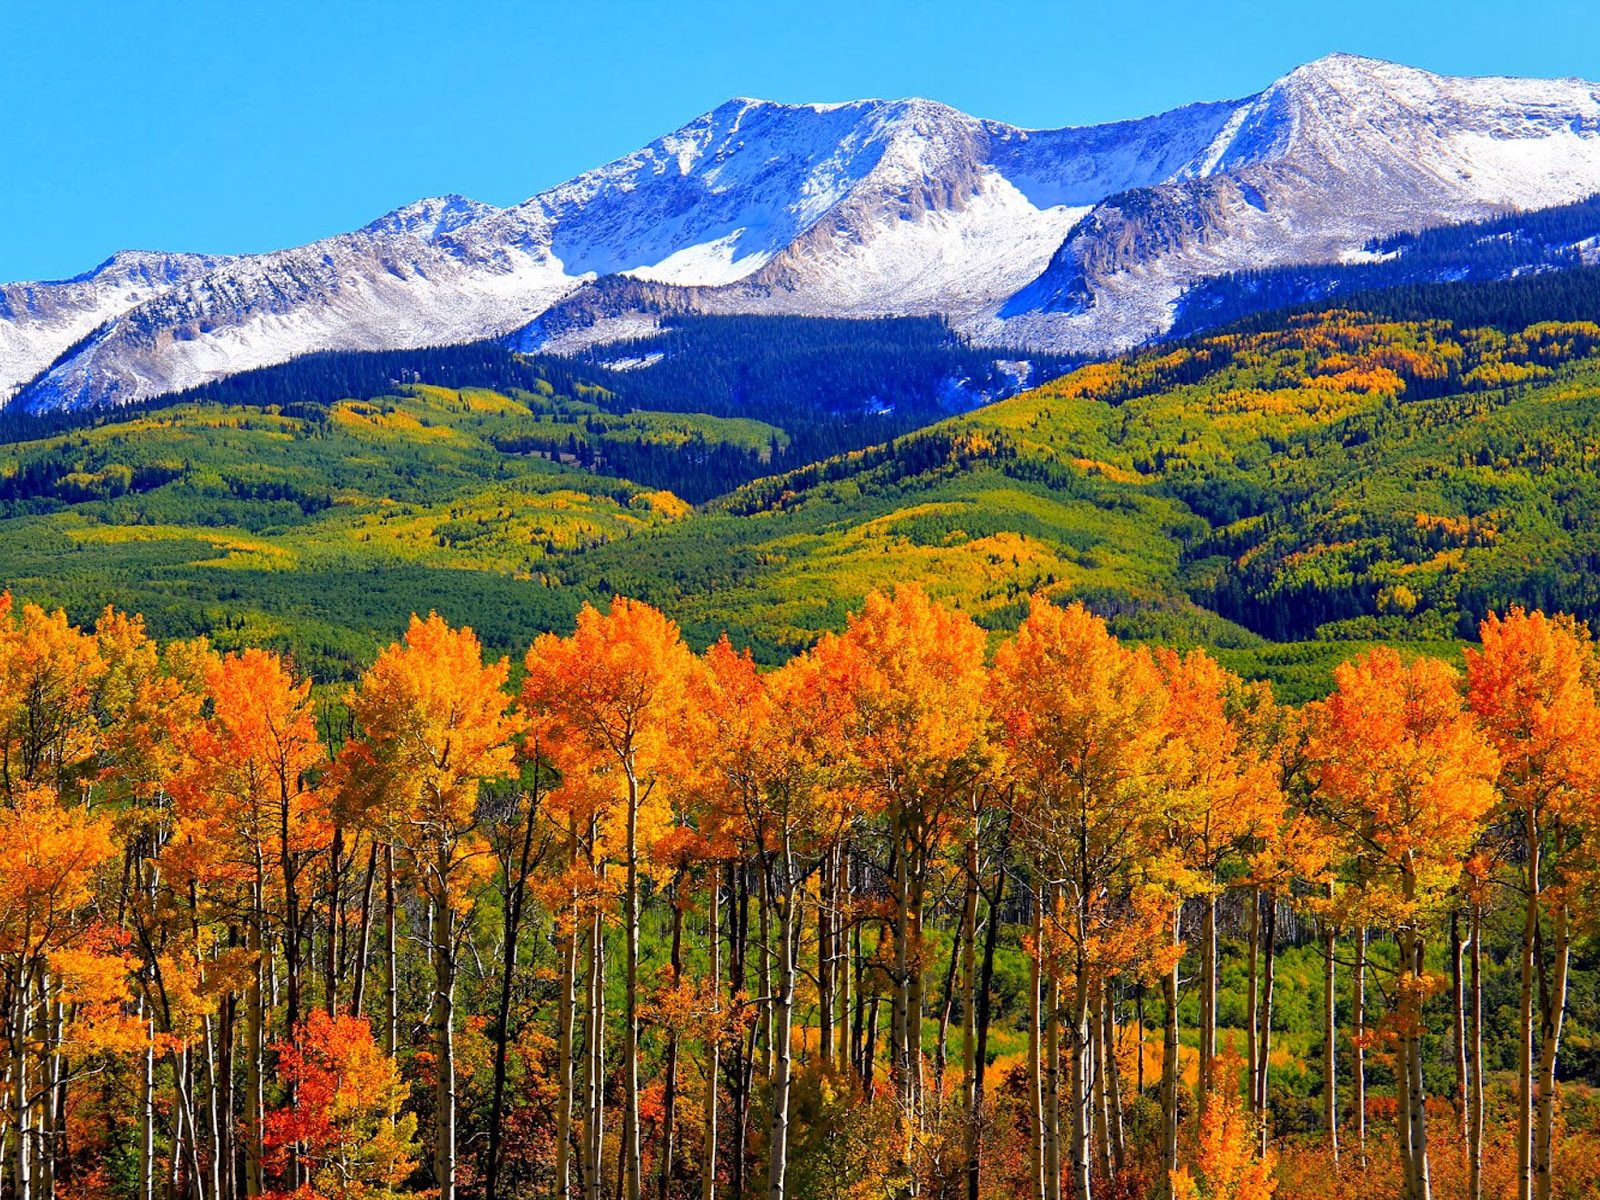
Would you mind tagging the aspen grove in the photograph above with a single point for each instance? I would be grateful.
(925, 911)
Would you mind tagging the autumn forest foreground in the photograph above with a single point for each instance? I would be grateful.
(912, 914)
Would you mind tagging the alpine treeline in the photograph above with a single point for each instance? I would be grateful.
(832, 385)
(901, 917)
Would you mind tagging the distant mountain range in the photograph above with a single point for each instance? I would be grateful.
(1074, 241)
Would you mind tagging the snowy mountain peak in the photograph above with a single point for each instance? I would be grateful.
(432, 217)
(1080, 238)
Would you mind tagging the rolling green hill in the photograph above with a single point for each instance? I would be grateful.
(1275, 492)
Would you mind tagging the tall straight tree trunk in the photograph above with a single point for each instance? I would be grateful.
(595, 1059)
(255, 1049)
(291, 918)
(516, 894)
(1415, 1110)
(1475, 1052)
(1100, 1135)
(1525, 1056)
(228, 1033)
(1458, 1024)
(1169, 1064)
(444, 996)
(1330, 1032)
(1052, 1090)
(915, 999)
(1253, 997)
(1113, 1074)
(1269, 950)
(391, 954)
(669, 1100)
(358, 989)
(630, 1048)
(1549, 1047)
(744, 1051)
(900, 1025)
(827, 909)
(330, 965)
(947, 1007)
(1208, 996)
(1035, 1043)
(1358, 1051)
(845, 937)
(708, 1126)
(981, 1053)
(969, 988)
(784, 901)
(567, 936)
(764, 966)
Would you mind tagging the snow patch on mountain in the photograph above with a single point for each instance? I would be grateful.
(1080, 239)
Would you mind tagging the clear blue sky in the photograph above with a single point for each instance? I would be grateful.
(240, 125)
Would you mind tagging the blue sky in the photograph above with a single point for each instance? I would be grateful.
(242, 125)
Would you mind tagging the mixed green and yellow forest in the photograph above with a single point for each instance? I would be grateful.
(1277, 495)
(1161, 783)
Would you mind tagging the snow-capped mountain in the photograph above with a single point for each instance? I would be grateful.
(1077, 239)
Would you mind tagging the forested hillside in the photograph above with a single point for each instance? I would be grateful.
(1522, 243)
(1073, 918)
(1280, 492)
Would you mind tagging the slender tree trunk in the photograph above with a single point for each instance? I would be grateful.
(981, 1053)
(764, 965)
(915, 999)
(901, 1024)
(1330, 1032)
(708, 1138)
(630, 1048)
(826, 957)
(1475, 1051)
(358, 990)
(1208, 996)
(1035, 1044)
(744, 1050)
(783, 899)
(255, 1049)
(1358, 1051)
(1549, 1047)
(1416, 1111)
(1169, 1065)
(444, 993)
(947, 1007)
(1052, 1091)
(391, 954)
(1458, 1024)
(844, 938)
(330, 966)
(291, 918)
(567, 938)
(1100, 1137)
(669, 1100)
(969, 992)
(595, 1058)
(516, 894)
(1525, 1055)
(1264, 1052)
(1253, 998)
(1113, 1075)
(147, 1117)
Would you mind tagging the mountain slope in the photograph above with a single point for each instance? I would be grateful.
(1279, 492)
(1078, 240)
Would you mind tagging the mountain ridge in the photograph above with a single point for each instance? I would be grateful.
(1079, 239)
